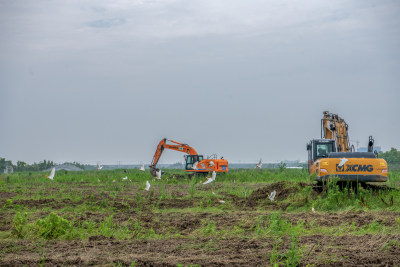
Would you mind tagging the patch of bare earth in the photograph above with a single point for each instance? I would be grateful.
(318, 249)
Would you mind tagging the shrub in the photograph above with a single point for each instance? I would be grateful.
(19, 226)
(52, 226)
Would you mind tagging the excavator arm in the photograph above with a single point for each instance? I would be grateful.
(164, 145)
(334, 127)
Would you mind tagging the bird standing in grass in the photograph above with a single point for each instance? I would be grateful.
(125, 178)
(312, 209)
(259, 165)
(142, 168)
(158, 174)
(147, 186)
(52, 173)
(99, 167)
(272, 195)
(211, 179)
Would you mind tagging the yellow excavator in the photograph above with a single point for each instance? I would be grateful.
(332, 155)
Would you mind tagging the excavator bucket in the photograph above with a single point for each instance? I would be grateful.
(153, 170)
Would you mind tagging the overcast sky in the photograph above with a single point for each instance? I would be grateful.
(105, 81)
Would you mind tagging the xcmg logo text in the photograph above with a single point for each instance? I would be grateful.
(354, 168)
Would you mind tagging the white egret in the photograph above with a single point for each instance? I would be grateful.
(52, 173)
(272, 195)
(142, 168)
(211, 179)
(147, 186)
(194, 167)
(99, 167)
(342, 162)
(158, 174)
(259, 165)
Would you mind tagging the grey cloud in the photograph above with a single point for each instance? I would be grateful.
(107, 23)
(244, 80)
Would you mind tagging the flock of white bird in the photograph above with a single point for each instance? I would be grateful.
(158, 173)
(211, 179)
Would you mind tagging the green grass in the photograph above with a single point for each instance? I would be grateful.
(81, 205)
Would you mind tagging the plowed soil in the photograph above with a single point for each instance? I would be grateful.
(321, 250)
(318, 250)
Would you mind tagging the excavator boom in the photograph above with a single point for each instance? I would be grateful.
(178, 147)
(334, 127)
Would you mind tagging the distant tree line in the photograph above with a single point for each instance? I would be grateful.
(77, 164)
(392, 156)
(21, 166)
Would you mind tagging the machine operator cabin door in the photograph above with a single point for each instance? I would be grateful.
(322, 150)
(189, 162)
(191, 159)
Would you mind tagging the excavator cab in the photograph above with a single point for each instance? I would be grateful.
(320, 148)
(191, 159)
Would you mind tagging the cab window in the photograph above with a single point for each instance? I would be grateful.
(323, 150)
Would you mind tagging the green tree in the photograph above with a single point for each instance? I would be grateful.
(2, 164)
(392, 156)
(21, 166)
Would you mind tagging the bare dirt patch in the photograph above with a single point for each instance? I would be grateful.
(6, 195)
(360, 218)
(282, 189)
(319, 250)
(191, 247)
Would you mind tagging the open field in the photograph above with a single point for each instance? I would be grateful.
(96, 218)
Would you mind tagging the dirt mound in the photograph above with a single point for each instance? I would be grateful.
(378, 187)
(6, 195)
(99, 238)
(53, 203)
(176, 203)
(176, 176)
(282, 192)
(359, 218)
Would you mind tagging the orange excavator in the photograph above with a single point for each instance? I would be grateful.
(195, 163)
(332, 155)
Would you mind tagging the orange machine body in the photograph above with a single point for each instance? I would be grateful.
(203, 165)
